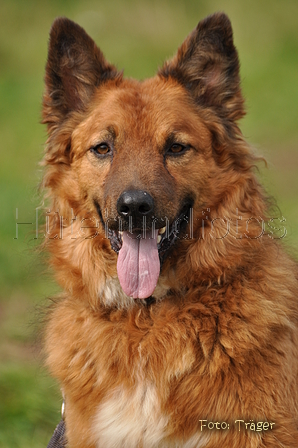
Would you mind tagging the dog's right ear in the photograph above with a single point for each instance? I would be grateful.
(75, 67)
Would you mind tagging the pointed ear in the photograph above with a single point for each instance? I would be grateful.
(75, 67)
(207, 65)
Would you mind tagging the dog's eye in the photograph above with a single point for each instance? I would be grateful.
(101, 149)
(177, 148)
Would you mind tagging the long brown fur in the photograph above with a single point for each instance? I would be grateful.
(219, 340)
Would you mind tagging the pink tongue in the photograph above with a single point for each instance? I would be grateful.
(138, 265)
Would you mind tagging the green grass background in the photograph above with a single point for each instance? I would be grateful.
(136, 35)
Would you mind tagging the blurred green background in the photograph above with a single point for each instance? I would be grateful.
(136, 35)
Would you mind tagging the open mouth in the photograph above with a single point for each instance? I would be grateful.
(140, 256)
(166, 236)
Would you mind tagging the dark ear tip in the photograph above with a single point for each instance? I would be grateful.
(218, 19)
(65, 29)
(61, 23)
(218, 22)
(217, 28)
(60, 27)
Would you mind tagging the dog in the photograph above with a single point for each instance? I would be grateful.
(178, 321)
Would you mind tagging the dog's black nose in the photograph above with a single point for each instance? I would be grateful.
(135, 203)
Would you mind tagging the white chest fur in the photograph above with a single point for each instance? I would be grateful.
(130, 419)
(133, 419)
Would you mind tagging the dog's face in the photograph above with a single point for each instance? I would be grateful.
(136, 159)
(137, 154)
(142, 156)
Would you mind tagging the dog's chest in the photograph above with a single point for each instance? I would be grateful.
(134, 419)
(133, 375)
(130, 419)
(137, 413)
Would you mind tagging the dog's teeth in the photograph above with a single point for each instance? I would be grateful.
(158, 239)
(162, 230)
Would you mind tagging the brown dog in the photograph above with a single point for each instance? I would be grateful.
(178, 325)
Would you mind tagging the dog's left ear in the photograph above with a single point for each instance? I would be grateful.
(207, 65)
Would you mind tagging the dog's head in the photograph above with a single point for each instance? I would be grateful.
(145, 157)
